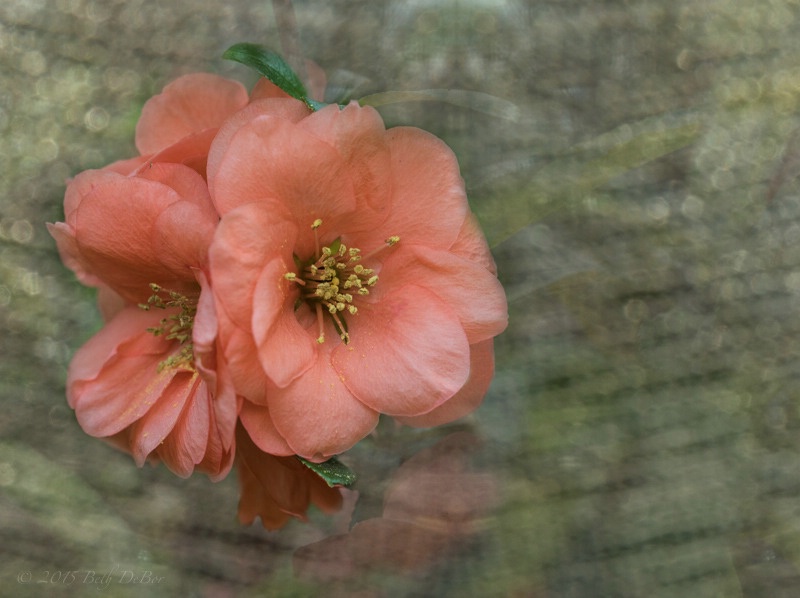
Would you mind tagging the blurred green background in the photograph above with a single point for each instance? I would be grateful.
(634, 163)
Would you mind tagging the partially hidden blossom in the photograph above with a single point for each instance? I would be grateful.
(275, 489)
(150, 378)
(139, 229)
(272, 281)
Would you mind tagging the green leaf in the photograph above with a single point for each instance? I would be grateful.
(333, 471)
(273, 67)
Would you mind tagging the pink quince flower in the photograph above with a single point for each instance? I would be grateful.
(350, 278)
(152, 382)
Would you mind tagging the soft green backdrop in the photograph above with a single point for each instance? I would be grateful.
(635, 164)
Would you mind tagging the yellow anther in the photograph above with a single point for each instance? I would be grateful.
(393, 240)
(371, 282)
(290, 276)
(331, 308)
(340, 306)
(352, 309)
(321, 338)
(363, 291)
(317, 223)
(358, 269)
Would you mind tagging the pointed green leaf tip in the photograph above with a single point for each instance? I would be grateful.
(273, 67)
(333, 471)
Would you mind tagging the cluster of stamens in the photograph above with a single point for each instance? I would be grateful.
(177, 326)
(333, 280)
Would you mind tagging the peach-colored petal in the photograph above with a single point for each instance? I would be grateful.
(109, 303)
(317, 414)
(191, 151)
(190, 104)
(182, 234)
(116, 229)
(128, 165)
(153, 427)
(429, 202)
(245, 240)
(64, 236)
(359, 136)
(468, 288)
(194, 441)
(241, 359)
(189, 185)
(90, 359)
(407, 353)
(120, 394)
(254, 501)
(469, 398)
(270, 159)
(276, 327)
(291, 110)
(218, 459)
(211, 363)
(257, 420)
(471, 244)
(81, 186)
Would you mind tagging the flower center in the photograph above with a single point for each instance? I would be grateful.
(177, 326)
(333, 279)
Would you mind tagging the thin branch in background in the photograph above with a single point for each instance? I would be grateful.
(290, 40)
(788, 168)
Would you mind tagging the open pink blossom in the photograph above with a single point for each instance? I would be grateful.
(349, 277)
(150, 380)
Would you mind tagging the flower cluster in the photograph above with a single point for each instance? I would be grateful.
(272, 280)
